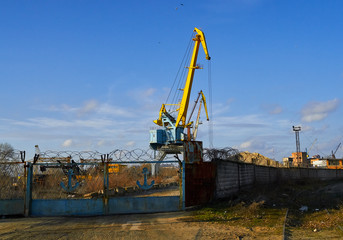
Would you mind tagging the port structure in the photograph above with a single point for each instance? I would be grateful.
(298, 154)
(297, 129)
(171, 136)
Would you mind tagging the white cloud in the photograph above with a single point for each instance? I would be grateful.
(147, 99)
(108, 109)
(148, 92)
(246, 144)
(67, 143)
(92, 106)
(130, 143)
(142, 94)
(306, 128)
(101, 143)
(272, 109)
(43, 123)
(243, 121)
(220, 108)
(57, 123)
(253, 145)
(88, 107)
(316, 111)
(61, 108)
(276, 110)
(106, 143)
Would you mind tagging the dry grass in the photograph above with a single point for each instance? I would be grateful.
(323, 219)
(129, 176)
(263, 209)
(250, 215)
(92, 180)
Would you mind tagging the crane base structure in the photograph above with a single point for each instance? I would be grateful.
(159, 138)
(192, 152)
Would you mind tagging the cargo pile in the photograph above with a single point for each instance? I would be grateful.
(255, 158)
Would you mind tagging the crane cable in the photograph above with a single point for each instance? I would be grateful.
(182, 80)
(178, 75)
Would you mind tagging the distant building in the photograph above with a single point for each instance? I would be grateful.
(318, 163)
(297, 160)
(300, 159)
(327, 163)
(287, 161)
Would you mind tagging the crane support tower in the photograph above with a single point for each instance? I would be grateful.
(171, 135)
(297, 129)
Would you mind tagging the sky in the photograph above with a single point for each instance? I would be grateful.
(88, 75)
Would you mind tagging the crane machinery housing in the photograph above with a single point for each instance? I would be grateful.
(172, 131)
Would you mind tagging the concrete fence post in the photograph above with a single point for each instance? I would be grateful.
(238, 177)
(254, 174)
(269, 180)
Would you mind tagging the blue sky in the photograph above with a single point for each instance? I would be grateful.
(92, 75)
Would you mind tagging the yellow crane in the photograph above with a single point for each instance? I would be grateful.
(172, 132)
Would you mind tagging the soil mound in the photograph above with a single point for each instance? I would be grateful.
(254, 158)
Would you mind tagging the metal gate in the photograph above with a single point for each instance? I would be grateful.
(12, 188)
(101, 188)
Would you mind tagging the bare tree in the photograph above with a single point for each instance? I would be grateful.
(6, 152)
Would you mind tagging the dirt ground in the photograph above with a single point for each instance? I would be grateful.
(142, 226)
(257, 213)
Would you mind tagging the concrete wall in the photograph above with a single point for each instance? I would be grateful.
(234, 176)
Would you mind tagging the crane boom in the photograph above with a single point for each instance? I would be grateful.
(183, 108)
(199, 38)
(315, 140)
(334, 152)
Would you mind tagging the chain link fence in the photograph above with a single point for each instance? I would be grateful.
(80, 174)
(65, 180)
(12, 175)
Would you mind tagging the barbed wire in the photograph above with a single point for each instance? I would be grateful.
(117, 155)
(210, 154)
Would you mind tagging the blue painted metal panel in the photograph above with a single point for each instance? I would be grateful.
(66, 207)
(87, 207)
(143, 204)
(12, 207)
(157, 136)
(28, 193)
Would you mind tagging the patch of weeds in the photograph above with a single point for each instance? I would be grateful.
(243, 214)
(323, 219)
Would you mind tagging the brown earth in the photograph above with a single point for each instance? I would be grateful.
(255, 158)
(142, 226)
